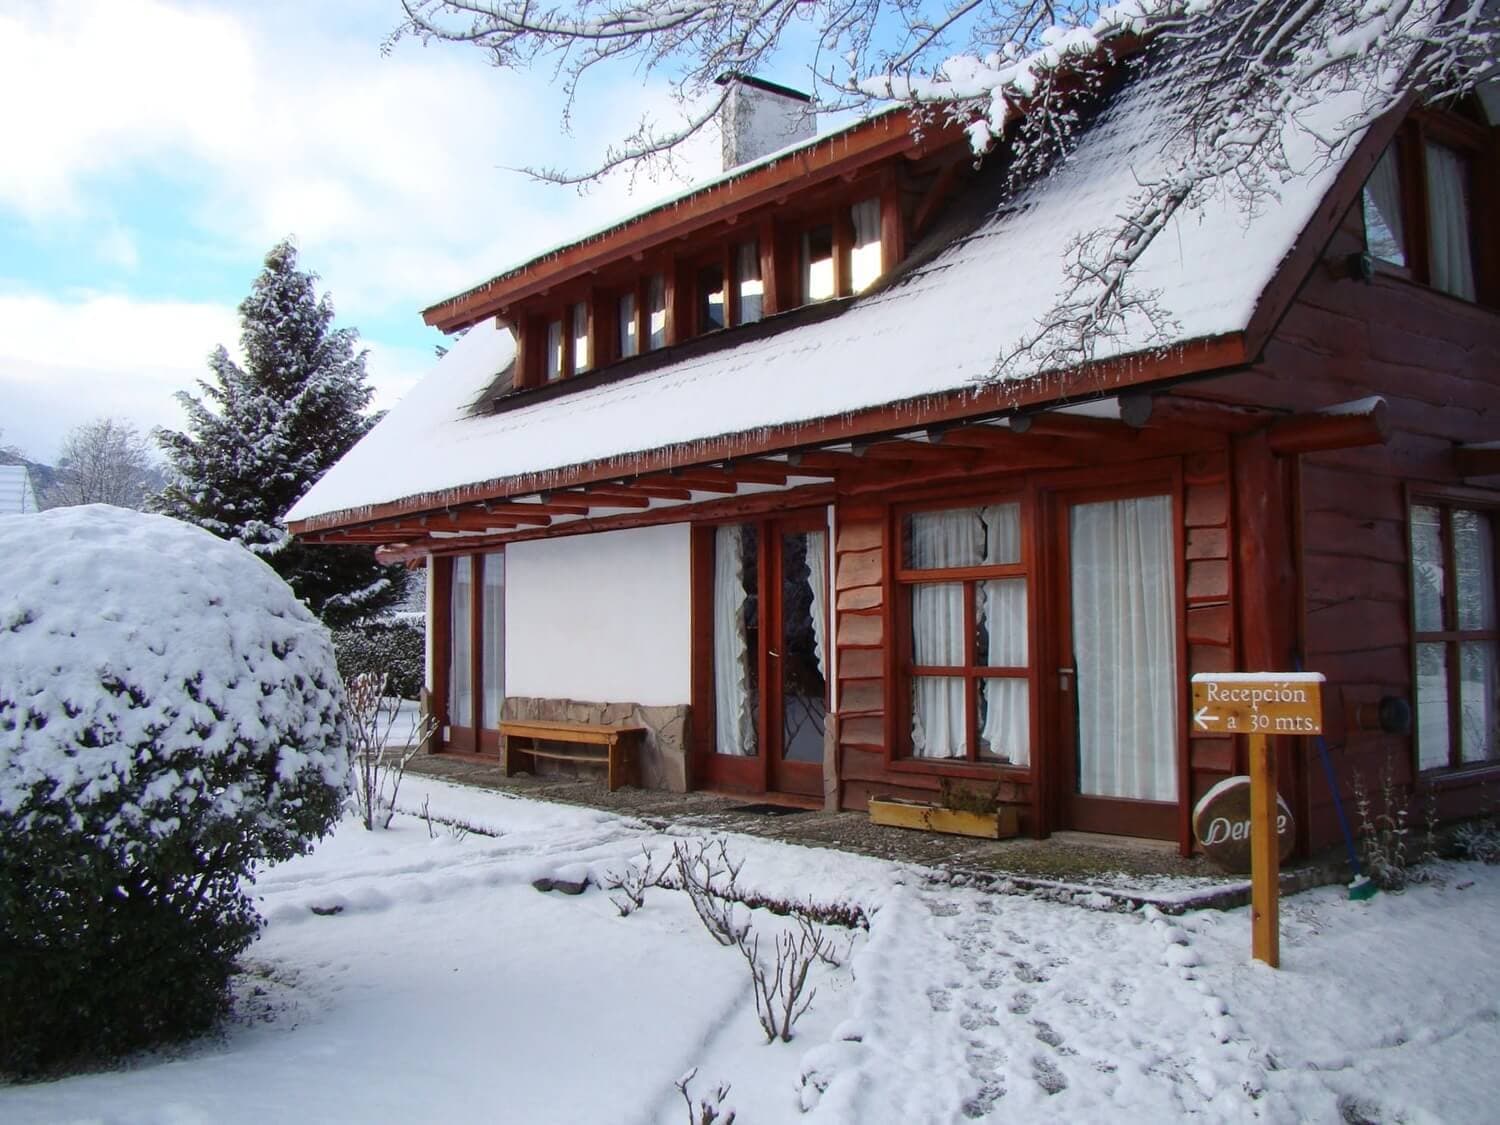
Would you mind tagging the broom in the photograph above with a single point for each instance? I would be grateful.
(1361, 887)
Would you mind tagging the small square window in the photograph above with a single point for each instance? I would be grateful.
(817, 264)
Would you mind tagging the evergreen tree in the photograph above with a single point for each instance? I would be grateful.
(262, 434)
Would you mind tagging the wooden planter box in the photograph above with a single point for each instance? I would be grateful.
(897, 813)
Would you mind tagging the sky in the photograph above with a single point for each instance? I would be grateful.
(156, 149)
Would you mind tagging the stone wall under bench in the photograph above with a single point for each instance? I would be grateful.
(663, 752)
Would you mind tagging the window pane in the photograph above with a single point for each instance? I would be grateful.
(937, 717)
(736, 641)
(656, 306)
(630, 342)
(1001, 608)
(710, 298)
(1384, 236)
(1432, 706)
(1480, 692)
(461, 662)
(864, 258)
(1005, 721)
(581, 358)
(554, 349)
(1448, 221)
(1474, 558)
(751, 298)
(1427, 568)
(493, 637)
(940, 539)
(817, 264)
(937, 624)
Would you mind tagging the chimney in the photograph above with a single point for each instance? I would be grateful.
(760, 117)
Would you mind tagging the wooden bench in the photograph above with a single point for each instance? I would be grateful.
(609, 745)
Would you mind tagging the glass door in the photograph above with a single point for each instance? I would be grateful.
(769, 614)
(476, 651)
(1118, 674)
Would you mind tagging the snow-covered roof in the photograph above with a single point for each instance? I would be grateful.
(16, 492)
(937, 329)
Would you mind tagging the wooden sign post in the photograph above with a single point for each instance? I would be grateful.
(1257, 704)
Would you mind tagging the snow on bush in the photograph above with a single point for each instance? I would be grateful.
(170, 715)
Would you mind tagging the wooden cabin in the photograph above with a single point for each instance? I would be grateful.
(741, 469)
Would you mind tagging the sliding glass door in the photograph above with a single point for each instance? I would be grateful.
(469, 648)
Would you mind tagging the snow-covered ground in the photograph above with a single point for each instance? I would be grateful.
(446, 988)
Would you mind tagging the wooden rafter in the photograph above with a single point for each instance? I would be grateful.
(700, 480)
(615, 497)
(657, 489)
(482, 518)
(1366, 422)
(756, 472)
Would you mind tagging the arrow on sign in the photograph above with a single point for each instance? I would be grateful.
(1203, 718)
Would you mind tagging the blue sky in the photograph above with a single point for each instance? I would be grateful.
(155, 149)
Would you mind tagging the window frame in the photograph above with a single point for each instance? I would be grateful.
(1478, 146)
(904, 579)
(1451, 636)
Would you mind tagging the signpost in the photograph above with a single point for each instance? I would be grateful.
(1257, 704)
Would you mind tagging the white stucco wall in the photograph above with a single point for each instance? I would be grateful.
(603, 618)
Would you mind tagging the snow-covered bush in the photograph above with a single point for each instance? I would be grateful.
(170, 716)
(394, 649)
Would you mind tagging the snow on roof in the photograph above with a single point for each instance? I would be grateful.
(16, 492)
(938, 329)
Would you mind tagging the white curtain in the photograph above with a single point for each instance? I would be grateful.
(493, 637)
(1448, 221)
(733, 719)
(817, 581)
(1124, 641)
(864, 257)
(937, 539)
(748, 282)
(1385, 235)
(1006, 732)
(460, 633)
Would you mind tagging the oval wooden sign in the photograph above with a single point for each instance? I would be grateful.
(1221, 824)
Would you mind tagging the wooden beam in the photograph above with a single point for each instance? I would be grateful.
(825, 459)
(1480, 460)
(655, 490)
(1052, 424)
(1174, 411)
(700, 480)
(468, 519)
(1365, 422)
(505, 508)
(909, 451)
(756, 472)
(606, 498)
(1002, 442)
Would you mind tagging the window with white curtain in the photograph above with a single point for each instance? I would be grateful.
(749, 289)
(1449, 235)
(1385, 235)
(864, 255)
(656, 312)
(968, 659)
(461, 642)
(630, 340)
(817, 264)
(581, 357)
(554, 350)
(1456, 610)
(736, 625)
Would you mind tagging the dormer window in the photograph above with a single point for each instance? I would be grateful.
(749, 289)
(710, 298)
(656, 310)
(554, 367)
(817, 264)
(581, 358)
(630, 331)
(1448, 227)
(864, 255)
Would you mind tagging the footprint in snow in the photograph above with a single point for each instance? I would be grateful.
(940, 999)
(1021, 1003)
(1047, 1034)
(943, 909)
(1047, 1076)
(976, 1015)
(983, 1100)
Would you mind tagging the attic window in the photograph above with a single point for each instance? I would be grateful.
(817, 264)
(630, 335)
(554, 350)
(710, 298)
(1382, 207)
(1448, 230)
(581, 359)
(656, 309)
(864, 257)
(749, 289)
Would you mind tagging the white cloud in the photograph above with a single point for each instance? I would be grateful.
(64, 362)
(285, 125)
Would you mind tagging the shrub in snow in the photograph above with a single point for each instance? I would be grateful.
(394, 649)
(170, 716)
(379, 766)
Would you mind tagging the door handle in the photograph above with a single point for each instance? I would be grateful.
(777, 655)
